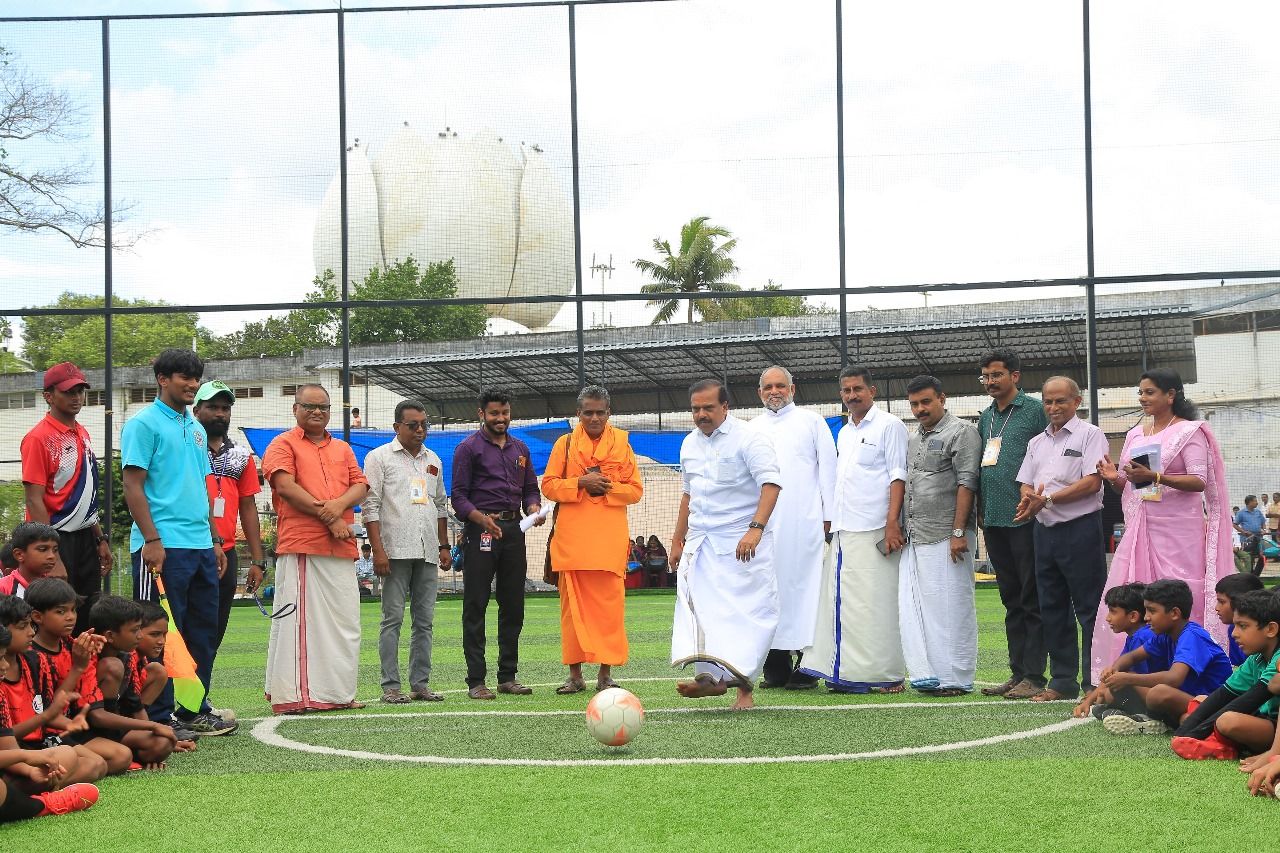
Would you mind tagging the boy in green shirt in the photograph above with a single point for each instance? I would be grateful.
(1241, 714)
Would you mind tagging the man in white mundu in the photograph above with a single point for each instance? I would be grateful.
(726, 592)
(857, 647)
(807, 462)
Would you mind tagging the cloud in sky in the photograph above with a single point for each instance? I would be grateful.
(964, 135)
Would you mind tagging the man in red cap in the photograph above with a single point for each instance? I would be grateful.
(60, 479)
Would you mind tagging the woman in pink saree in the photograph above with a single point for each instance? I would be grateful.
(1174, 493)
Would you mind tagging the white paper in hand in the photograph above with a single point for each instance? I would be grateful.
(530, 520)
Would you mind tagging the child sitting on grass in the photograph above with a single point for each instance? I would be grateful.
(35, 551)
(72, 666)
(1126, 614)
(30, 715)
(1241, 714)
(119, 622)
(39, 770)
(148, 671)
(1197, 666)
(1226, 589)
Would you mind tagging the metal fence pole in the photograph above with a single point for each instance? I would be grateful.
(108, 389)
(342, 195)
(1090, 288)
(844, 299)
(577, 196)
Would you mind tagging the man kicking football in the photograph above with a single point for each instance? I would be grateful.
(726, 590)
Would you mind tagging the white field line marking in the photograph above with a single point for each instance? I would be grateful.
(266, 732)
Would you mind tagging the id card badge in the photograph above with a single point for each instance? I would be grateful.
(219, 506)
(1151, 492)
(418, 490)
(486, 541)
(991, 453)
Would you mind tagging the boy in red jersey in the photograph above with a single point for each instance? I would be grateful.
(119, 622)
(35, 550)
(21, 769)
(72, 666)
(29, 715)
(146, 668)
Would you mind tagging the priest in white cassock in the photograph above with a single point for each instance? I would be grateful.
(807, 462)
(856, 646)
(726, 591)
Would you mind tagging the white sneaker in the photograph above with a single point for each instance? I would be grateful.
(1139, 724)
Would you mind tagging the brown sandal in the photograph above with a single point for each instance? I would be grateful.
(1048, 694)
(571, 686)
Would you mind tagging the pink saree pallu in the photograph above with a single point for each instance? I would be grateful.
(1181, 535)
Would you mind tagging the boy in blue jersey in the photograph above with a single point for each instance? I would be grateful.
(1241, 714)
(1126, 614)
(1198, 666)
(1227, 589)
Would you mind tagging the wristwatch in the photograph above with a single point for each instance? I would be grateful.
(958, 533)
(755, 525)
(1048, 499)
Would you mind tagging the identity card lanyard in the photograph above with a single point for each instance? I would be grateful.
(219, 468)
(991, 451)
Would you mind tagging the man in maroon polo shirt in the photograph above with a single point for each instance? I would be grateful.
(493, 479)
(60, 482)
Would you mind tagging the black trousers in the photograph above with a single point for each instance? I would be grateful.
(507, 563)
(1012, 554)
(79, 553)
(1071, 573)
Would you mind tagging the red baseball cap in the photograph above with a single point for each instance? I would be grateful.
(64, 376)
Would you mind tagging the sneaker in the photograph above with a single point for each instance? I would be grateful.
(207, 725)
(1099, 711)
(227, 714)
(1118, 723)
(74, 798)
(181, 732)
(1212, 747)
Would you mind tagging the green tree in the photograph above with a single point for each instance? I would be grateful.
(284, 335)
(702, 263)
(9, 363)
(13, 508)
(136, 338)
(765, 306)
(406, 280)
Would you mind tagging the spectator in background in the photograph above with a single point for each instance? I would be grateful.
(1249, 523)
(637, 550)
(364, 563)
(356, 421)
(1273, 515)
(60, 483)
(313, 657)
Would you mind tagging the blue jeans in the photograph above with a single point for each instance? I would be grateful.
(191, 585)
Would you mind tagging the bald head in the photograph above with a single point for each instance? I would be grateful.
(1061, 396)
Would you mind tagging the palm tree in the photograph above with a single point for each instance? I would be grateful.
(701, 264)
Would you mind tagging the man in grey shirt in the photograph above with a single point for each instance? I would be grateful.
(937, 615)
(406, 517)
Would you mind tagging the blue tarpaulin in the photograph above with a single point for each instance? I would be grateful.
(662, 446)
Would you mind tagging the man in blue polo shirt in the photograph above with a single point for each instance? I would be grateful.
(1249, 523)
(164, 454)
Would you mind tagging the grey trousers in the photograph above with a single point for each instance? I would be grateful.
(416, 580)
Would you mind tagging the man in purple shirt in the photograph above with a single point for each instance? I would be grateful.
(492, 479)
(1062, 491)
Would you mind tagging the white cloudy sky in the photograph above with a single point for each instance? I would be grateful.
(963, 135)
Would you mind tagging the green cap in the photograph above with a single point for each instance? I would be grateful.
(209, 390)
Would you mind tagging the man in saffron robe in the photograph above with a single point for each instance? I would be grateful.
(593, 477)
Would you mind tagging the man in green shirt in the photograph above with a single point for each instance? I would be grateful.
(1006, 426)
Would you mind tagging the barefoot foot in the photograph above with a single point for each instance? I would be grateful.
(745, 700)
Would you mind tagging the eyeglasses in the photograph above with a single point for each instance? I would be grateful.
(993, 376)
(315, 407)
(287, 610)
(414, 426)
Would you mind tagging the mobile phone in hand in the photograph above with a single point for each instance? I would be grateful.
(882, 548)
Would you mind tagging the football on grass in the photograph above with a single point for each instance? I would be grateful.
(614, 716)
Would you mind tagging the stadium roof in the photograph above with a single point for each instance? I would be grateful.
(647, 368)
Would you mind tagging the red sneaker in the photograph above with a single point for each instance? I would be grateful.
(73, 798)
(1213, 746)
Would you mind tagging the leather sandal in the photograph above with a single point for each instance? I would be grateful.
(426, 694)
(606, 684)
(1050, 695)
(480, 692)
(570, 686)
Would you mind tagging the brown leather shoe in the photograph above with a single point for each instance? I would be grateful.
(480, 692)
(515, 688)
(1024, 689)
(1000, 689)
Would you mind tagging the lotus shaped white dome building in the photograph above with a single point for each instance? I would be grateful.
(494, 209)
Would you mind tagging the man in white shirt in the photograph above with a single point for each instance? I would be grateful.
(857, 647)
(807, 462)
(726, 591)
(406, 517)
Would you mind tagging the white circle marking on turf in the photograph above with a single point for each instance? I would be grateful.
(266, 732)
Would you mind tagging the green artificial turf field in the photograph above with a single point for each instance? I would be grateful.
(1072, 787)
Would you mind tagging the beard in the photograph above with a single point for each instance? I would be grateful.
(774, 405)
(217, 429)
